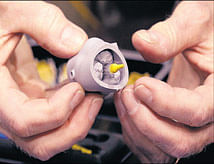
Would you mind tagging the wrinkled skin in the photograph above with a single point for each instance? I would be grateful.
(164, 121)
(41, 121)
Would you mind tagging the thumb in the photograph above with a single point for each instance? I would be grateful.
(46, 24)
(164, 40)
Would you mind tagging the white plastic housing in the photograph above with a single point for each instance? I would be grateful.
(80, 67)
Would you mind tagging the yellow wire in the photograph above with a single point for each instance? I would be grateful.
(82, 149)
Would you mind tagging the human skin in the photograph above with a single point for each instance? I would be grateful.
(163, 121)
(41, 121)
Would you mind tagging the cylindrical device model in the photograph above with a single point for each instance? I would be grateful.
(99, 67)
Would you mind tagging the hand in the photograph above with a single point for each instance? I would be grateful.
(164, 121)
(42, 123)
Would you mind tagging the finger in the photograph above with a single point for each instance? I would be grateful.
(142, 146)
(131, 133)
(45, 145)
(188, 79)
(7, 46)
(26, 117)
(23, 68)
(194, 108)
(202, 61)
(128, 128)
(141, 155)
(171, 137)
(121, 112)
(47, 25)
(168, 38)
(24, 61)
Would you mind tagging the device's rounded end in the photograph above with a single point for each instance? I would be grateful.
(99, 67)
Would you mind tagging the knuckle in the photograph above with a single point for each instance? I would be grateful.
(169, 27)
(52, 10)
(181, 149)
(202, 18)
(20, 128)
(40, 152)
(51, 15)
(185, 148)
(59, 117)
(80, 135)
(173, 37)
(76, 85)
(202, 13)
(199, 117)
(83, 135)
(157, 158)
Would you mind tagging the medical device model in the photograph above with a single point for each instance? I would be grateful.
(99, 67)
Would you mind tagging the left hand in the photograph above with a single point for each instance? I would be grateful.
(164, 121)
(40, 121)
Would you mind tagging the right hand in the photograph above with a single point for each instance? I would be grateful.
(40, 122)
(162, 121)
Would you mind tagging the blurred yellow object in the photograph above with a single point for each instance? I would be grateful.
(62, 73)
(47, 71)
(134, 76)
(86, 14)
(115, 67)
(82, 149)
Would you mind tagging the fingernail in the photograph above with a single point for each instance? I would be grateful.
(72, 37)
(132, 104)
(94, 108)
(76, 98)
(143, 93)
(147, 36)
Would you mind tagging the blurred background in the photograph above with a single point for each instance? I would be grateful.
(112, 21)
(115, 21)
